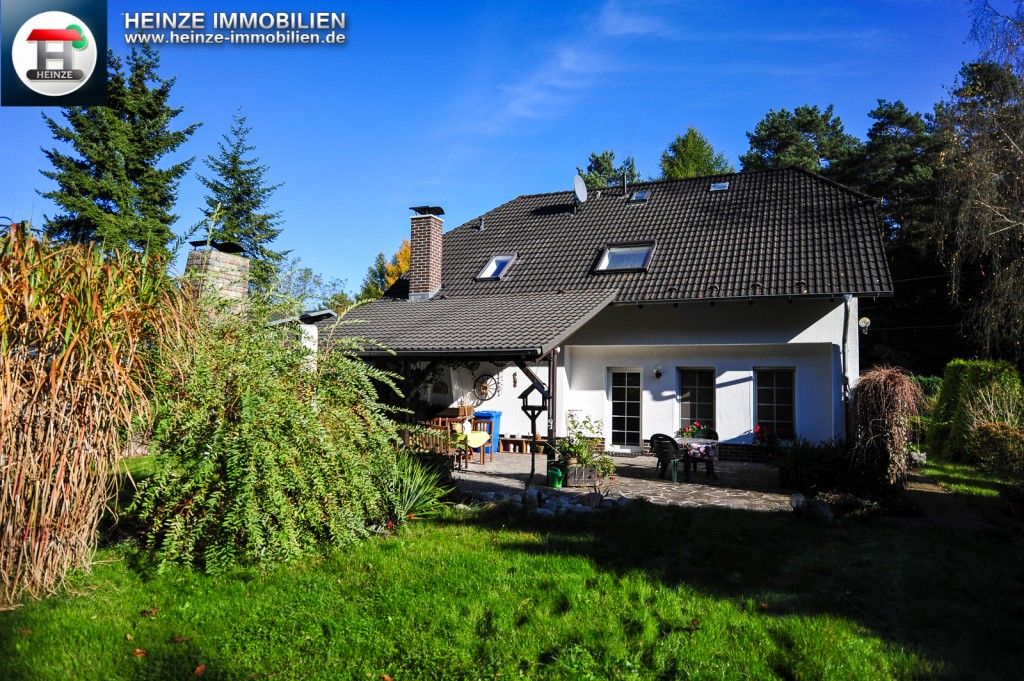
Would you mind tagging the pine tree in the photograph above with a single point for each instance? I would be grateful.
(691, 155)
(806, 137)
(112, 189)
(375, 281)
(602, 172)
(238, 195)
(383, 272)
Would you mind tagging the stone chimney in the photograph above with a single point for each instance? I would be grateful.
(220, 274)
(425, 253)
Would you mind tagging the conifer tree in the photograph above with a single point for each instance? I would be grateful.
(111, 189)
(383, 272)
(806, 137)
(602, 172)
(238, 195)
(691, 155)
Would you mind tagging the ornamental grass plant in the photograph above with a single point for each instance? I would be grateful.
(76, 327)
(884, 400)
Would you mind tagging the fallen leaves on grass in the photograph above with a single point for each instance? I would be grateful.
(149, 613)
(180, 639)
(139, 652)
(694, 625)
(25, 632)
(199, 671)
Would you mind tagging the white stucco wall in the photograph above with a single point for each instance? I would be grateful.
(732, 338)
(511, 384)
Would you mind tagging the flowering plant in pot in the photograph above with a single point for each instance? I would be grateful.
(690, 430)
(576, 448)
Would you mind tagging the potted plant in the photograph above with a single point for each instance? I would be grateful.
(690, 430)
(579, 462)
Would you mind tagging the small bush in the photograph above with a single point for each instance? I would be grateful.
(930, 387)
(1000, 448)
(884, 399)
(417, 490)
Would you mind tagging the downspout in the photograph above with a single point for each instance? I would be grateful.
(847, 297)
(553, 389)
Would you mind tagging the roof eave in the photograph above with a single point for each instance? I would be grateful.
(781, 296)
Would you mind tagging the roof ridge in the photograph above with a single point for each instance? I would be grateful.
(704, 178)
(831, 182)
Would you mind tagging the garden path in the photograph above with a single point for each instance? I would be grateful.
(740, 485)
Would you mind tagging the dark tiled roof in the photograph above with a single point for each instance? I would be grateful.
(771, 233)
(514, 325)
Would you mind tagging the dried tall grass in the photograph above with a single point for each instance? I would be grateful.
(884, 399)
(75, 326)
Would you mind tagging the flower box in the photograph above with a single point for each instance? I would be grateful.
(580, 476)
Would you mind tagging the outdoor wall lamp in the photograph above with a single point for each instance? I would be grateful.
(657, 371)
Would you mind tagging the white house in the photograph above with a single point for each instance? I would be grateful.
(731, 300)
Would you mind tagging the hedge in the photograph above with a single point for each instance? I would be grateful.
(949, 433)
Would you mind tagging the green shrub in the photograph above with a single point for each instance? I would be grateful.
(263, 457)
(417, 490)
(1000, 448)
(929, 385)
(951, 426)
(918, 429)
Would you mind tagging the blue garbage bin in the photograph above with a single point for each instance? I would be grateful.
(495, 418)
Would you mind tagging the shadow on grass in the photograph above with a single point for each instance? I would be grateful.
(955, 597)
(948, 479)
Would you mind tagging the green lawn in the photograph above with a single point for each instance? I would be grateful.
(971, 483)
(645, 592)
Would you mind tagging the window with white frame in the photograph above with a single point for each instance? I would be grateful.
(625, 257)
(626, 397)
(696, 397)
(776, 401)
(497, 266)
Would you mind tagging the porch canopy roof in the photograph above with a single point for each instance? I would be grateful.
(505, 327)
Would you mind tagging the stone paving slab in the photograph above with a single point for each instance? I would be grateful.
(740, 485)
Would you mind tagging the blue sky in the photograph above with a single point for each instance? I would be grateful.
(467, 105)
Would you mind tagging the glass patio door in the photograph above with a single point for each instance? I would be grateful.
(626, 408)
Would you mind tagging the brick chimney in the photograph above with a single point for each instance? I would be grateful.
(425, 253)
(220, 274)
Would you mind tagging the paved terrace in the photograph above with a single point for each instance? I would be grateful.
(742, 485)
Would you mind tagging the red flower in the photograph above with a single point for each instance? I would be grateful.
(391, 525)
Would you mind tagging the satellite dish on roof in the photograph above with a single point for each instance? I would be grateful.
(579, 187)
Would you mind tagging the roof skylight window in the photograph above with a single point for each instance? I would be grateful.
(497, 266)
(639, 195)
(719, 186)
(625, 257)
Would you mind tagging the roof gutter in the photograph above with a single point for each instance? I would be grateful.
(483, 353)
(727, 299)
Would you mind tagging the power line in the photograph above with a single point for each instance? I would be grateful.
(934, 276)
(906, 328)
